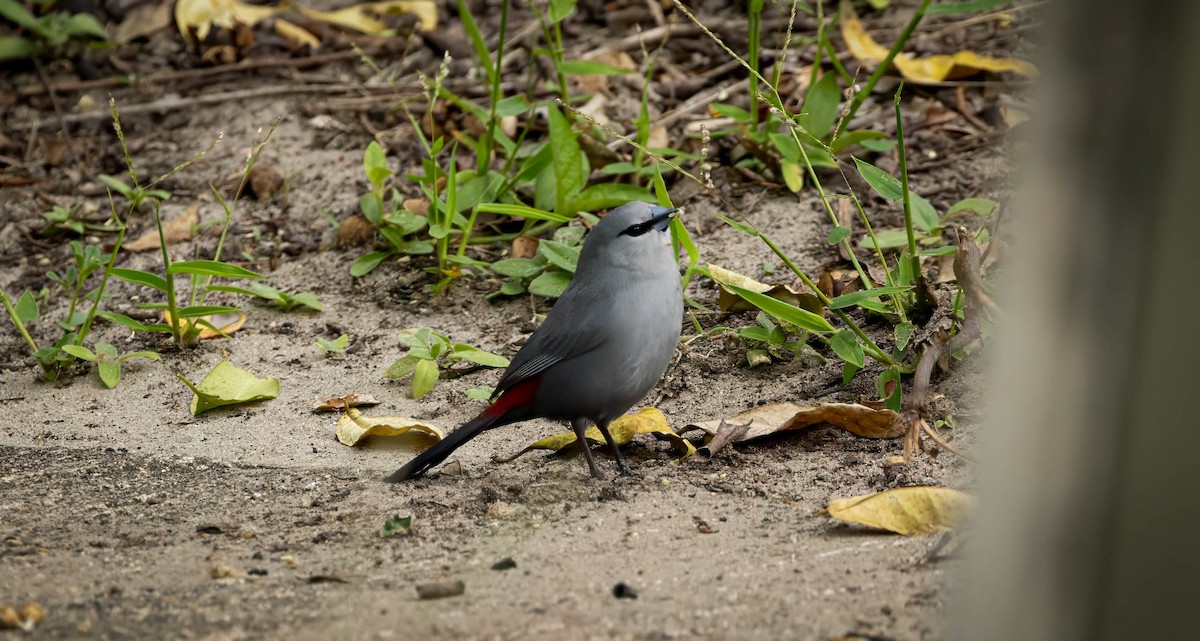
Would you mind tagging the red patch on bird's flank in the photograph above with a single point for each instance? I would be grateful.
(516, 396)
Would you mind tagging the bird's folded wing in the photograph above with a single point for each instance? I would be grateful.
(562, 337)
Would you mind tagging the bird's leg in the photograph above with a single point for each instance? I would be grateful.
(580, 426)
(621, 465)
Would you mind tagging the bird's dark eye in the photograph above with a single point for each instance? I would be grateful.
(638, 229)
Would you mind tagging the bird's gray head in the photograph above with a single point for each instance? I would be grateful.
(633, 235)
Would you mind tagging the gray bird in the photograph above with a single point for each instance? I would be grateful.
(604, 344)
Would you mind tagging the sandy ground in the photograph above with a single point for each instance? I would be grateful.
(128, 518)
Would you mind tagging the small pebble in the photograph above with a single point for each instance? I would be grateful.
(624, 591)
(440, 589)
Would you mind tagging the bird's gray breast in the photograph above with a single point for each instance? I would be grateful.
(640, 316)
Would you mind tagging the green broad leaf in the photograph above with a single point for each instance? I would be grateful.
(845, 344)
(793, 175)
(511, 288)
(783, 311)
(881, 181)
(855, 298)
(887, 239)
(619, 168)
(403, 366)
(17, 48)
(85, 24)
(334, 346)
(609, 195)
(80, 352)
(472, 354)
(371, 207)
(903, 333)
(523, 211)
(848, 371)
(211, 268)
(559, 255)
(375, 165)
(570, 174)
(857, 137)
(838, 234)
(482, 393)
(109, 372)
(982, 206)
(755, 333)
(425, 377)
(27, 308)
(820, 110)
(730, 111)
(138, 277)
(550, 284)
(878, 145)
(879, 4)
(196, 311)
(591, 67)
(923, 213)
(944, 250)
(228, 385)
(116, 184)
(106, 352)
(309, 300)
(516, 267)
(263, 290)
(560, 9)
(396, 524)
(233, 289)
(512, 106)
(121, 319)
(364, 264)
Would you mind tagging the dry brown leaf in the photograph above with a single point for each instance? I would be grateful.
(773, 418)
(225, 323)
(203, 15)
(904, 510)
(930, 69)
(297, 36)
(340, 403)
(524, 247)
(353, 427)
(178, 229)
(144, 20)
(648, 420)
(27, 618)
(366, 17)
(731, 302)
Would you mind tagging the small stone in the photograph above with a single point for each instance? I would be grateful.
(507, 563)
(624, 591)
(440, 589)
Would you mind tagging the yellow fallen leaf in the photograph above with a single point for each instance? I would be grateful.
(648, 420)
(225, 324)
(298, 37)
(731, 302)
(929, 69)
(353, 427)
(227, 384)
(340, 403)
(904, 510)
(365, 17)
(203, 15)
(773, 418)
(179, 228)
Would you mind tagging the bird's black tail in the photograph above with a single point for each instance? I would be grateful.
(433, 456)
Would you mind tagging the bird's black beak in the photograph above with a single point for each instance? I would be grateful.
(662, 217)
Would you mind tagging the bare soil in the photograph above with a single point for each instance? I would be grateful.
(128, 518)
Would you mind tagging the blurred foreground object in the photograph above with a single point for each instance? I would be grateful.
(1090, 479)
